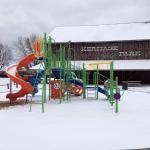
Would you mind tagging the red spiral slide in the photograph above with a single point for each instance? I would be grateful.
(12, 73)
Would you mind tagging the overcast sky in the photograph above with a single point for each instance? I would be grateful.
(23, 17)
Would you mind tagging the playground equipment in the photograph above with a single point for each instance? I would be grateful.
(110, 90)
(12, 73)
(57, 68)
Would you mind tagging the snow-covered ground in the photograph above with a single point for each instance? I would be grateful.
(78, 125)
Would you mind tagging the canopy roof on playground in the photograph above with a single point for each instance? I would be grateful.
(118, 65)
(107, 32)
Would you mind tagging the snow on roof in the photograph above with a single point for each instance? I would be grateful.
(118, 65)
(114, 32)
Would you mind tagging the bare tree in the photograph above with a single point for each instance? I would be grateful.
(5, 55)
(25, 44)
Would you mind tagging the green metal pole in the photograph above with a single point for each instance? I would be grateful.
(43, 97)
(97, 82)
(84, 81)
(45, 63)
(111, 84)
(60, 56)
(116, 102)
(69, 65)
(68, 71)
(64, 72)
(94, 80)
(49, 64)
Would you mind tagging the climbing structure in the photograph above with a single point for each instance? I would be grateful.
(110, 90)
(58, 70)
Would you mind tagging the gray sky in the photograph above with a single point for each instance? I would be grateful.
(23, 17)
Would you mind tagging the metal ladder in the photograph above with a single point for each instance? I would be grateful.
(91, 92)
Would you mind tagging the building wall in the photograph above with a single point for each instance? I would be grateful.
(123, 75)
(118, 50)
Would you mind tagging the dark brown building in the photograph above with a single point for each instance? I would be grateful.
(127, 44)
(111, 50)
